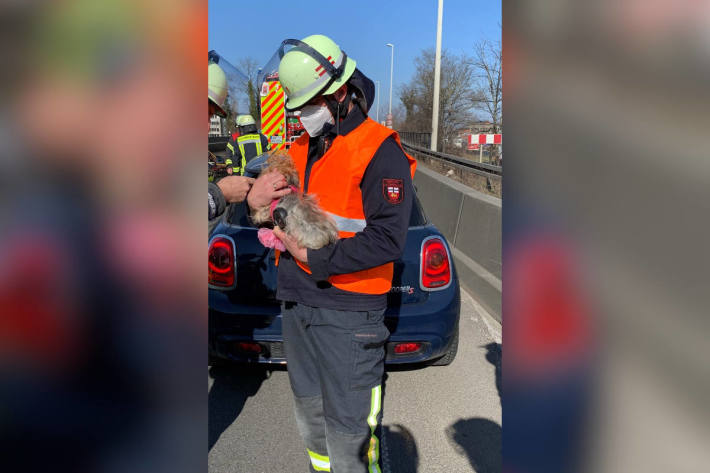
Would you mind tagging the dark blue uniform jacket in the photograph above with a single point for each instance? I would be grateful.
(380, 242)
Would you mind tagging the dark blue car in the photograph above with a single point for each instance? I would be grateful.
(245, 317)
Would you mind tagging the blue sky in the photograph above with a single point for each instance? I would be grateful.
(239, 29)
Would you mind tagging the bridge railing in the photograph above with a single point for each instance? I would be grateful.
(420, 142)
(486, 178)
(413, 138)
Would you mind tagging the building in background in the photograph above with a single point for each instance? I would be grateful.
(215, 126)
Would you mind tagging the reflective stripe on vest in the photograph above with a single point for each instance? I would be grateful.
(238, 170)
(351, 225)
(335, 178)
(254, 138)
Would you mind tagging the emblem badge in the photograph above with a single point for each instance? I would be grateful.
(393, 190)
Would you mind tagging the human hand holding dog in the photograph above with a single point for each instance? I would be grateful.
(292, 247)
(267, 187)
(235, 188)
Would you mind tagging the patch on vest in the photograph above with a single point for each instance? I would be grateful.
(393, 190)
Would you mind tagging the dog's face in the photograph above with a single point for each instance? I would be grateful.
(302, 219)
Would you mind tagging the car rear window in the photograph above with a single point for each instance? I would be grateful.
(238, 214)
(417, 218)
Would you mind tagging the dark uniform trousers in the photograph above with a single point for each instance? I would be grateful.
(335, 365)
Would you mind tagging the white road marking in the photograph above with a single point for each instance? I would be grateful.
(493, 327)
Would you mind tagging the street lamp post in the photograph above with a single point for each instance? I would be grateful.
(437, 78)
(378, 100)
(389, 116)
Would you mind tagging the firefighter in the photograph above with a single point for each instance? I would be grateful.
(248, 144)
(334, 298)
(232, 189)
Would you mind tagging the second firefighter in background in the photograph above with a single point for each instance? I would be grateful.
(249, 144)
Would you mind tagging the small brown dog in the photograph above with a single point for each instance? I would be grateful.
(298, 215)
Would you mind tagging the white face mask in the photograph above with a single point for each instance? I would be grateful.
(314, 117)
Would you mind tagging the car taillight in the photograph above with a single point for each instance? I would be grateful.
(247, 347)
(220, 262)
(436, 267)
(401, 348)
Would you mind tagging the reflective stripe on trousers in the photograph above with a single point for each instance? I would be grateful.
(373, 453)
(319, 462)
(322, 462)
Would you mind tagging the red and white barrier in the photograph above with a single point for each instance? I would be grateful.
(485, 139)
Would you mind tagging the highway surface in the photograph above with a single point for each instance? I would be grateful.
(435, 419)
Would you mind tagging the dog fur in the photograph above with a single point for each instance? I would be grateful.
(305, 221)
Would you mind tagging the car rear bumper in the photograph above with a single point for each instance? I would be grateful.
(432, 324)
(227, 347)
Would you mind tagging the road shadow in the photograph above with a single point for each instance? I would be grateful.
(494, 356)
(398, 448)
(401, 455)
(480, 440)
(406, 367)
(233, 384)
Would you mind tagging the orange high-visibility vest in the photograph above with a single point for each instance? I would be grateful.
(335, 180)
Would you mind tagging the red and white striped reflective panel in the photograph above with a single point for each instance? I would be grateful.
(485, 139)
(321, 70)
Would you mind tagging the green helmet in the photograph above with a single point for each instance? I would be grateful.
(244, 120)
(315, 66)
(216, 86)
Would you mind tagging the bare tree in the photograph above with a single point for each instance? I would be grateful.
(489, 94)
(399, 116)
(455, 96)
(230, 125)
(250, 67)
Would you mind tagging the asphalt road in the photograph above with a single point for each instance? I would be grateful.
(435, 419)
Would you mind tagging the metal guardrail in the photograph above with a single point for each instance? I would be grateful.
(480, 167)
(415, 138)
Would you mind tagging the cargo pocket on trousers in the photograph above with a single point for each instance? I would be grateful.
(368, 356)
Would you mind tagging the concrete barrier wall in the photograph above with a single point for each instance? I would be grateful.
(471, 222)
(480, 181)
